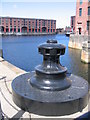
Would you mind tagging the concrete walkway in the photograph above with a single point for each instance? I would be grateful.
(8, 109)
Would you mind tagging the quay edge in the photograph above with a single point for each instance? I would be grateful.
(27, 34)
(11, 71)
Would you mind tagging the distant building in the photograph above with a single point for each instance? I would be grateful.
(82, 25)
(26, 25)
(68, 29)
(73, 18)
(60, 30)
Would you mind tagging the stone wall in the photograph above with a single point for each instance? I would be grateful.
(76, 41)
(85, 53)
(83, 43)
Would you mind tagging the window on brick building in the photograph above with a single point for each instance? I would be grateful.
(14, 29)
(10, 29)
(72, 22)
(29, 22)
(81, 2)
(53, 30)
(36, 23)
(6, 20)
(2, 20)
(88, 25)
(88, 10)
(39, 24)
(51, 23)
(18, 29)
(10, 21)
(29, 30)
(80, 12)
(43, 23)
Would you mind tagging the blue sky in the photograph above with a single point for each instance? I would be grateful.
(60, 10)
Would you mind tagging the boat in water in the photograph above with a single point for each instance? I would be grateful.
(67, 34)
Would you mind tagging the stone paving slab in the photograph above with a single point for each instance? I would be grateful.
(8, 108)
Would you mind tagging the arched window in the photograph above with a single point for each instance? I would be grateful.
(88, 10)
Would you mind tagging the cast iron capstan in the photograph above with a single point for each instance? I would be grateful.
(50, 75)
(50, 90)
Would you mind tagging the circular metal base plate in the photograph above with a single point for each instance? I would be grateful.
(44, 102)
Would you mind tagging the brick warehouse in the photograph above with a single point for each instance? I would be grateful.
(26, 25)
(82, 23)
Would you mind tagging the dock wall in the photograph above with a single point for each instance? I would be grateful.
(76, 41)
(82, 43)
(27, 34)
(85, 53)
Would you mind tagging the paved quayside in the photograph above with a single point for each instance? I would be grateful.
(8, 109)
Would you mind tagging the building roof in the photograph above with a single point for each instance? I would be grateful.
(25, 18)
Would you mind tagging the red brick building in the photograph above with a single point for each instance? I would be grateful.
(26, 25)
(73, 18)
(82, 23)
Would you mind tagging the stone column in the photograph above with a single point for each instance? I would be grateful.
(47, 26)
(41, 27)
(50, 28)
(31, 25)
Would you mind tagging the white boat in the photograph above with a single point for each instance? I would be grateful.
(67, 34)
(0, 33)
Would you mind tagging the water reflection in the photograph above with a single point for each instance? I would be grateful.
(78, 67)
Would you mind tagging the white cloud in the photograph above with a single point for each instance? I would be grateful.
(15, 6)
